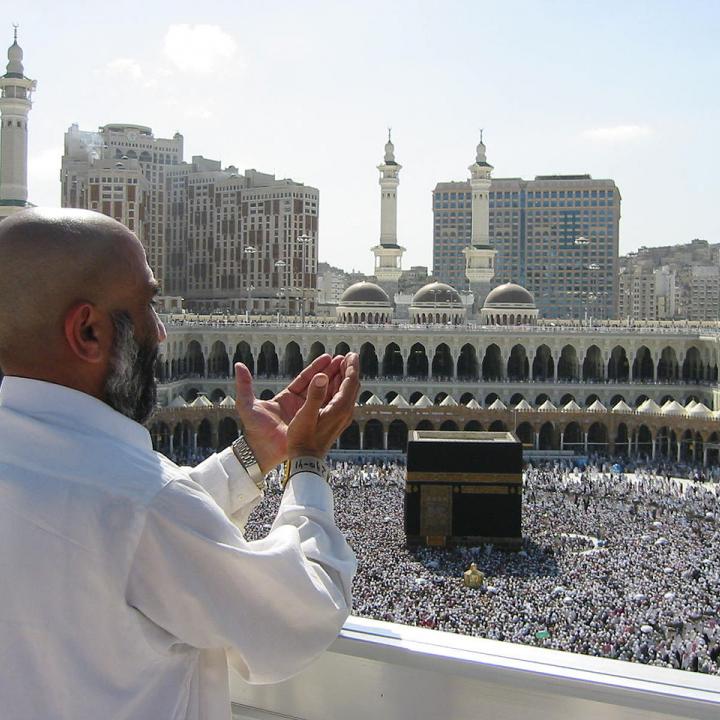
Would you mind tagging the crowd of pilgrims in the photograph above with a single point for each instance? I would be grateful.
(613, 564)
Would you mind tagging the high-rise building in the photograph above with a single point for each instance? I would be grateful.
(220, 239)
(556, 235)
(15, 102)
(684, 277)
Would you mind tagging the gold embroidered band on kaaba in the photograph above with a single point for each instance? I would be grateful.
(420, 476)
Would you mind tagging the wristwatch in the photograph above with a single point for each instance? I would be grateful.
(305, 464)
(246, 457)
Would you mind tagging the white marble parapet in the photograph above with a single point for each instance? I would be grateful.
(384, 670)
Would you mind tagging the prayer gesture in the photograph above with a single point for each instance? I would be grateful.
(303, 419)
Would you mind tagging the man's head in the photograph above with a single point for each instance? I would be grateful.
(76, 297)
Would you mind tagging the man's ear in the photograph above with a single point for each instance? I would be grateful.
(88, 337)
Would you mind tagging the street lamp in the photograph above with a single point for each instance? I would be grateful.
(279, 265)
(304, 240)
(249, 252)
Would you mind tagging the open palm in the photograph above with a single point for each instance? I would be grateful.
(265, 421)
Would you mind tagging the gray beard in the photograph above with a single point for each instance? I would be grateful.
(130, 387)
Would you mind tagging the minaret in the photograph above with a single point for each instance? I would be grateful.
(480, 255)
(388, 254)
(15, 105)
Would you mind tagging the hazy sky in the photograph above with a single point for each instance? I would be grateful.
(626, 90)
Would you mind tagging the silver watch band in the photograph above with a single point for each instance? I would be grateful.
(247, 459)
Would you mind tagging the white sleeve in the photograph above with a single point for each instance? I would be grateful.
(226, 480)
(274, 604)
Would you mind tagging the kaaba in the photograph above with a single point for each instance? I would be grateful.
(463, 488)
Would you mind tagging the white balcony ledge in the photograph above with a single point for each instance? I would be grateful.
(383, 670)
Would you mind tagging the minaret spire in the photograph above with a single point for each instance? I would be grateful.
(480, 255)
(15, 103)
(388, 254)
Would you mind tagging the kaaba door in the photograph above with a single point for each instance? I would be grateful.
(436, 510)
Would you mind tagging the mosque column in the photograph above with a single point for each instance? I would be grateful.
(656, 361)
(654, 443)
(214, 434)
(385, 439)
(536, 440)
(705, 455)
(172, 442)
(562, 440)
(585, 441)
(194, 440)
(362, 437)
(555, 368)
(679, 448)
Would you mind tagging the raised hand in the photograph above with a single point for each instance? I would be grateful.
(265, 422)
(321, 419)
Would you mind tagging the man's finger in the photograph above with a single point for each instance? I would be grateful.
(300, 383)
(316, 390)
(244, 395)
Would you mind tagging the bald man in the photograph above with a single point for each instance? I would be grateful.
(128, 585)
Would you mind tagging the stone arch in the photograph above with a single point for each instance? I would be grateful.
(449, 425)
(491, 398)
(472, 426)
(644, 440)
(204, 434)
(616, 399)
(368, 361)
(590, 399)
(643, 366)
(572, 437)
(424, 425)
(547, 437)
(390, 396)
(415, 397)
(392, 363)
(217, 395)
(568, 367)
(467, 364)
(365, 395)
(492, 363)
(442, 362)
(243, 354)
(525, 434)
(497, 426)
(466, 397)
(541, 398)
(518, 367)
(227, 432)
(373, 435)
(640, 399)
(516, 398)
(566, 398)
(316, 350)
(218, 363)
(350, 437)
(191, 394)
(440, 397)
(160, 434)
(621, 440)
(592, 365)
(342, 348)
(397, 435)
(267, 361)
(618, 365)
(667, 367)
(597, 438)
(543, 364)
(692, 369)
(194, 358)
(417, 365)
(293, 359)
